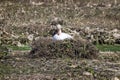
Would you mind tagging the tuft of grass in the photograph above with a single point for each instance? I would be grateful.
(107, 47)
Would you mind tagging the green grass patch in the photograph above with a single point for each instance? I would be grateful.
(23, 48)
(106, 47)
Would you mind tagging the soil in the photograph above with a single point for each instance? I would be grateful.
(21, 67)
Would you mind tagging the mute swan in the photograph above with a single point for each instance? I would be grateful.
(60, 35)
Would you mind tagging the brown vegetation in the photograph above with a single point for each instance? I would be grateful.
(29, 16)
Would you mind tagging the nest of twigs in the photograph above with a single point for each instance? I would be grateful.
(59, 49)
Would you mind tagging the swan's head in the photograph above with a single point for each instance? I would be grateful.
(59, 26)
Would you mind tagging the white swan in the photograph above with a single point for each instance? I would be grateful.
(60, 35)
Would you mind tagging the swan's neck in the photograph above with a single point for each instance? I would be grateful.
(59, 32)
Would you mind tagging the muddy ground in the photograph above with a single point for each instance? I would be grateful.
(21, 67)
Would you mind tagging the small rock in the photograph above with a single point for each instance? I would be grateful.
(73, 66)
(87, 73)
(19, 44)
(116, 35)
(30, 37)
(115, 78)
(17, 58)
